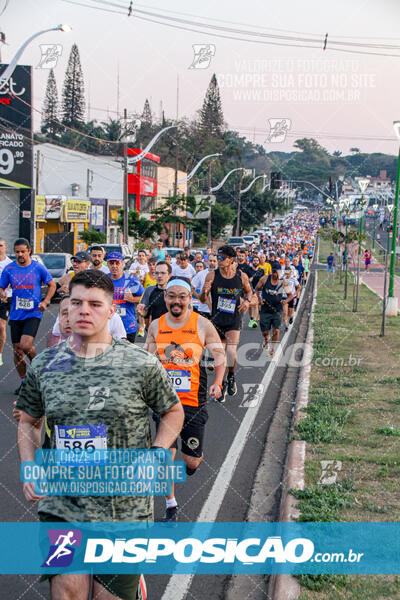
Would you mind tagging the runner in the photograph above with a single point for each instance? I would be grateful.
(140, 268)
(5, 305)
(80, 262)
(198, 280)
(150, 276)
(183, 269)
(272, 299)
(307, 266)
(159, 252)
(330, 269)
(25, 276)
(97, 256)
(226, 286)
(198, 267)
(367, 258)
(179, 338)
(62, 390)
(127, 291)
(290, 286)
(152, 303)
(244, 267)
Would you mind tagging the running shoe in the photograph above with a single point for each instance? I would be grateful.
(231, 387)
(271, 351)
(286, 327)
(222, 398)
(266, 346)
(290, 320)
(16, 392)
(171, 514)
(1, 361)
(253, 324)
(141, 332)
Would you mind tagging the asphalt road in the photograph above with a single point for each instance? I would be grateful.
(222, 426)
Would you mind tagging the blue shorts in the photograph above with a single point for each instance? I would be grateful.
(330, 269)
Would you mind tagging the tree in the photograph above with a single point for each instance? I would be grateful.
(147, 116)
(221, 216)
(211, 115)
(73, 105)
(92, 236)
(139, 227)
(355, 150)
(50, 108)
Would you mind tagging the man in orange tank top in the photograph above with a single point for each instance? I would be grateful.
(179, 339)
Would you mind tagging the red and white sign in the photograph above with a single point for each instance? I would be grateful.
(146, 186)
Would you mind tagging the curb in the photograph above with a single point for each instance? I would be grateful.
(283, 586)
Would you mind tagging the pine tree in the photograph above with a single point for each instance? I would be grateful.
(211, 115)
(73, 101)
(50, 107)
(147, 116)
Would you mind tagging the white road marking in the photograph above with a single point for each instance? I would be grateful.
(178, 585)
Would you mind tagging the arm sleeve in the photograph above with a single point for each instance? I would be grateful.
(44, 273)
(30, 397)
(159, 393)
(4, 279)
(146, 296)
(116, 326)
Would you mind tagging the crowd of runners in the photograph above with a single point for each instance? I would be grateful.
(189, 312)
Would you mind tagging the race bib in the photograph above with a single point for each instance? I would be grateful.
(121, 311)
(180, 380)
(227, 305)
(24, 303)
(81, 437)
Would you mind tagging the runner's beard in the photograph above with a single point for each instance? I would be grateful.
(176, 309)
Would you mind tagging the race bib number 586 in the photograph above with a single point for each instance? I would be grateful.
(81, 437)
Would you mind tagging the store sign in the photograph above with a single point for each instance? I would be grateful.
(76, 211)
(16, 148)
(40, 208)
(53, 206)
(146, 186)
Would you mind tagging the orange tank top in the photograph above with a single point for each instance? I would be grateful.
(179, 351)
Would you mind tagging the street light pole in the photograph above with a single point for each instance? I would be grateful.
(5, 76)
(392, 303)
(363, 183)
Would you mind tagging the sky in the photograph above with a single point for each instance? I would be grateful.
(342, 99)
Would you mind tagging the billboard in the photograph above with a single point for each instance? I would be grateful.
(16, 149)
(98, 214)
(53, 206)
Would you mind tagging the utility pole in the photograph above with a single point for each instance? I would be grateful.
(37, 171)
(238, 205)
(125, 168)
(89, 179)
(174, 228)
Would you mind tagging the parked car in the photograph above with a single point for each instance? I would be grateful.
(58, 263)
(36, 257)
(172, 251)
(236, 242)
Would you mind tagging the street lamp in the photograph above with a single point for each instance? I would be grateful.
(193, 171)
(375, 207)
(219, 186)
(385, 299)
(363, 183)
(151, 143)
(239, 203)
(392, 302)
(5, 76)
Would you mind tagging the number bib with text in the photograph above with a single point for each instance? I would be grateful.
(24, 303)
(180, 380)
(81, 437)
(227, 305)
(121, 311)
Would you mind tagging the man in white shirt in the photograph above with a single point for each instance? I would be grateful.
(97, 255)
(184, 269)
(198, 282)
(115, 326)
(6, 305)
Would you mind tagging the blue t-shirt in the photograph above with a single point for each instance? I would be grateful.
(300, 270)
(126, 310)
(26, 284)
(160, 254)
(330, 260)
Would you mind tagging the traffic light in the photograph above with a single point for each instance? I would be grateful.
(276, 180)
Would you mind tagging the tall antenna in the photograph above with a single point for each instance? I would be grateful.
(118, 90)
(177, 97)
(88, 106)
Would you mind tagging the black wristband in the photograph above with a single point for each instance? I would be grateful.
(157, 448)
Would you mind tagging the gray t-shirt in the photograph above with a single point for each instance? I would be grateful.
(114, 389)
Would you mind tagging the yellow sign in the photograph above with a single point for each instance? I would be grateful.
(76, 211)
(40, 208)
(113, 215)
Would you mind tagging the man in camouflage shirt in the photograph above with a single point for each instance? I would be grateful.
(90, 380)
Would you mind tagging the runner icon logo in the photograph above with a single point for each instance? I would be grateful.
(98, 395)
(252, 395)
(193, 443)
(62, 547)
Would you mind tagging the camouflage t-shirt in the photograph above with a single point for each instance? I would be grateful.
(114, 389)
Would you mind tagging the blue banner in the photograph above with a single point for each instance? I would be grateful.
(201, 548)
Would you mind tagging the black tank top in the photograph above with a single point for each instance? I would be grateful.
(225, 298)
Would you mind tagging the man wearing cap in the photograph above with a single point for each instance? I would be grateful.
(80, 262)
(97, 254)
(127, 291)
(178, 338)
